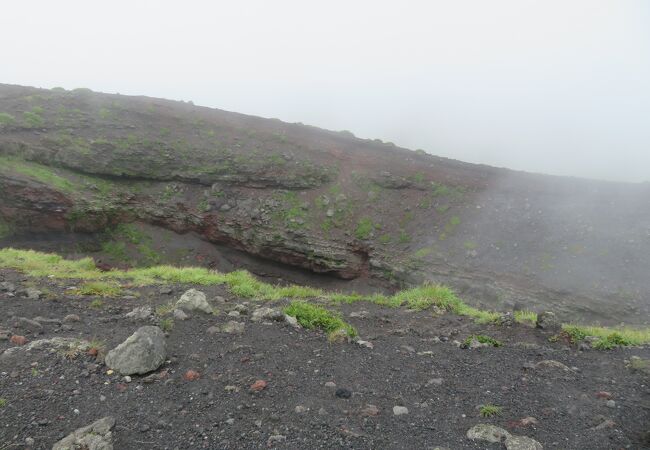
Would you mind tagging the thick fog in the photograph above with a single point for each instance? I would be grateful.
(546, 86)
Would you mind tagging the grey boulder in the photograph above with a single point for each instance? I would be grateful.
(142, 352)
(194, 300)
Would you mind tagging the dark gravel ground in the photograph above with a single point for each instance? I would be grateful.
(48, 395)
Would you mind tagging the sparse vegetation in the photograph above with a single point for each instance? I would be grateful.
(164, 309)
(243, 284)
(3, 402)
(483, 339)
(99, 288)
(311, 316)
(38, 172)
(32, 119)
(6, 119)
(364, 228)
(607, 338)
(97, 303)
(166, 324)
(525, 317)
(490, 410)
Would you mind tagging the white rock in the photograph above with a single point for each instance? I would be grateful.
(400, 410)
(194, 300)
(522, 443)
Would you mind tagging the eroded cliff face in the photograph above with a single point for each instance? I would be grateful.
(319, 200)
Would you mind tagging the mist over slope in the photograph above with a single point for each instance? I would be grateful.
(324, 201)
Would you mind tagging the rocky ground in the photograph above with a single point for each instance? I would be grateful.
(238, 375)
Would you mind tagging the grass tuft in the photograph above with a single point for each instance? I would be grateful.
(99, 288)
(608, 338)
(482, 339)
(312, 316)
(490, 410)
(529, 317)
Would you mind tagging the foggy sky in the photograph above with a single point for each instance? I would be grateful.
(559, 87)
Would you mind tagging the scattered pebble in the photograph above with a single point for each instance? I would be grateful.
(191, 375)
(343, 393)
(258, 386)
(400, 410)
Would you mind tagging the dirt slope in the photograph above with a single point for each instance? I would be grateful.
(322, 201)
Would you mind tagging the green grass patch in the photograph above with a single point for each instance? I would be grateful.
(6, 119)
(608, 338)
(3, 402)
(32, 119)
(97, 303)
(99, 288)
(483, 339)
(38, 172)
(529, 317)
(312, 316)
(364, 228)
(490, 410)
(166, 324)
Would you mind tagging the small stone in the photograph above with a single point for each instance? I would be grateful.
(29, 442)
(434, 381)
(231, 388)
(32, 293)
(194, 300)
(400, 410)
(366, 344)
(7, 286)
(370, 410)
(71, 318)
(140, 314)
(212, 330)
(27, 324)
(165, 290)
(292, 321)
(359, 314)
(610, 404)
(547, 321)
(489, 433)
(233, 314)
(274, 439)
(604, 394)
(330, 384)
(522, 443)
(179, 314)
(230, 421)
(127, 379)
(96, 436)
(266, 313)
(258, 386)
(300, 409)
(18, 340)
(233, 327)
(527, 421)
(552, 364)
(607, 423)
(343, 393)
(191, 375)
